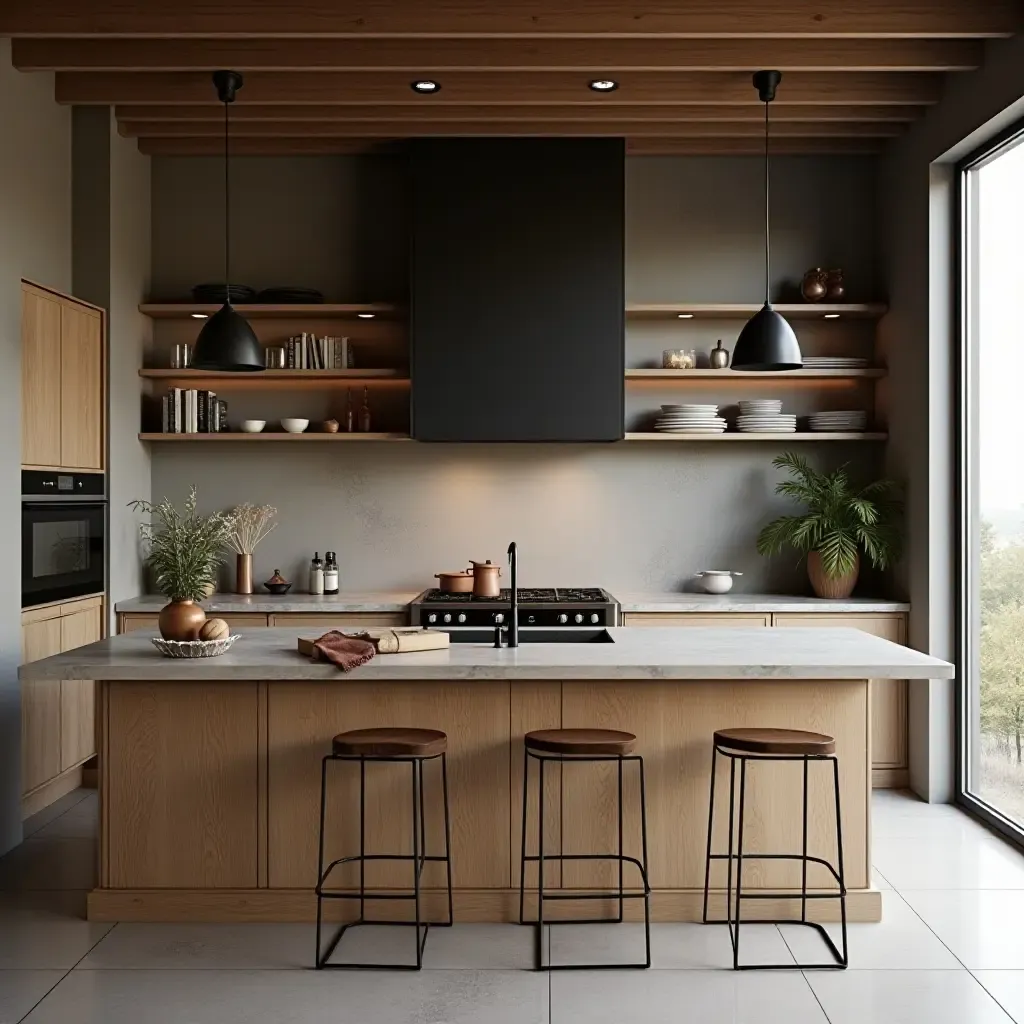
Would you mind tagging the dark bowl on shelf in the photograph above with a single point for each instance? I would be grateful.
(278, 588)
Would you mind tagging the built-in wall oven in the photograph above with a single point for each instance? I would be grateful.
(63, 536)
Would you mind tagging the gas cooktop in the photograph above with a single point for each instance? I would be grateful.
(538, 606)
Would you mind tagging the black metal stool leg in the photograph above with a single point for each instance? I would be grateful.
(803, 858)
(643, 853)
(417, 863)
(522, 859)
(622, 900)
(711, 822)
(362, 838)
(539, 934)
(739, 862)
(320, 862)
(447, 836)
(839, 860)
(731, 856)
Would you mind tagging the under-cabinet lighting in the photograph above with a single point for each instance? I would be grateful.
(425, 86)
(603, 84)
(366, 316)
(685, 316)
(831, 316)
(199, 316)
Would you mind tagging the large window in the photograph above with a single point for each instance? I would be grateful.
(992, 482)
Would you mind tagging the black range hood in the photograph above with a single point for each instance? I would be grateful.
(517, 319)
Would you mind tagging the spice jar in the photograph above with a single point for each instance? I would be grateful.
(678, 359)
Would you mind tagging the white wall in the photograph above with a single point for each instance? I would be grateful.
(35, 243)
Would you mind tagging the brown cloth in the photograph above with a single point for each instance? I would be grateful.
(345, 651)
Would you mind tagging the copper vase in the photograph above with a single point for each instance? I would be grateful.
(834, 588)
(180, 620)
(834, 285)
(814, 286)
(243, 574)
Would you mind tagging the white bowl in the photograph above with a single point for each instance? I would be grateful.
(717, 581)
(293, 426)
(252, 426)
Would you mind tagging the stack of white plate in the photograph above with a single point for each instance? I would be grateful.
(690, 419)
(840, 422)
(764, 416)
(834, 363)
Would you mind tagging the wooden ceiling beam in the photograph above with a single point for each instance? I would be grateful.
(421, 129)
(490, 88)
(732, 18)
(584, 113)
(305, 146)
(433, 56)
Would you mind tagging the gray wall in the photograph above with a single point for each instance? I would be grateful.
(919, 337)
(628, 517)
(35, 243)
(112, 249)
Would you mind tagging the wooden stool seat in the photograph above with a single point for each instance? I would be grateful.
(776, 741)
(581, 741)
(389, 742)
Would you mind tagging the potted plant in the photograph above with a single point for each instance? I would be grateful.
(184, 551)
(839, 523)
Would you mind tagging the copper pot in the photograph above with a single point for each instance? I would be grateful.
(455, 582)
(180, 620)
(485, 579)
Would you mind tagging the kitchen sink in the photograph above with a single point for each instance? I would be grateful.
(534, 636)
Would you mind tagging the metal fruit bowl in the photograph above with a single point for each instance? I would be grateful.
(193, 648)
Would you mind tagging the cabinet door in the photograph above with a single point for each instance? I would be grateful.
(81, 388)
(343, 620)
(888, 696)
(40, 378)
(78, 696)
(715, 620)
(40, 708)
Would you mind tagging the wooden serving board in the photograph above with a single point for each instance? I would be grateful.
(400, 640)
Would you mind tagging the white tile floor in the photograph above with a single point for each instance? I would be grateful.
(950, 950)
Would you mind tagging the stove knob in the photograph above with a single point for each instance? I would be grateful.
(462, 616)
(578, 618)
(499, 617)
(447, 617)
(595, 618)
(563, 619)
(432, 617)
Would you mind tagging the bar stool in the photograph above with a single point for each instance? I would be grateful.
(566, 746)
(414, 747)
(776, 745)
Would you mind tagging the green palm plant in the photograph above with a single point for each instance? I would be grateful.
(183, 551)
(840, 520)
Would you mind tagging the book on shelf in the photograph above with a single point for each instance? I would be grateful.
(191, 411)
(308, 352)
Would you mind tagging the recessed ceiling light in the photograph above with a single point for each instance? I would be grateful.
(603, 84)
(685, 316)
(425, 86)
(831, 316)
(199, 316)
(366, 316)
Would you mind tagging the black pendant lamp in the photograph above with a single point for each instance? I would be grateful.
(767, 342)
(227, 342)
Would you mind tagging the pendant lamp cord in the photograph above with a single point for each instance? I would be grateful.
(767, 226)
(227, 212)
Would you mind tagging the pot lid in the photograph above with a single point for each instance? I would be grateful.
(460, 574)
(483, 565)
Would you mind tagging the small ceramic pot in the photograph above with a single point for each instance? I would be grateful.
(718, 357)
(833, 588)
(277, 584)
(717, 581)
(814, 286)
(181, 620)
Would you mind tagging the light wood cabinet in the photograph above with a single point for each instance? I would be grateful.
(888, 696)
(62, 375)
(346, 620)
(713, 620)
(129, 622)
(58, 716)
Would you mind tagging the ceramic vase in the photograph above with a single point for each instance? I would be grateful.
(834, 588)
(243, 574)
(180, 620)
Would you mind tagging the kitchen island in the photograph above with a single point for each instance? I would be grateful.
(210, 769)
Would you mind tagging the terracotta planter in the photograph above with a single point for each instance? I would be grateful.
(834, 588)
(180, 620)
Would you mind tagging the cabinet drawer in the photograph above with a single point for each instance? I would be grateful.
(343, 620)
(129, 622)
(717, 620)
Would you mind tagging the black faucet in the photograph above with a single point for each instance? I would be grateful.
(513, 625)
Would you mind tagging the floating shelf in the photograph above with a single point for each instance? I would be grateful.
(269, 436)
(742, 310)
(737, 436)
(269, 380)
(739, 376)
(265, 310)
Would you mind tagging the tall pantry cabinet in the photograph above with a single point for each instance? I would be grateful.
(63, 427)
(61, 382)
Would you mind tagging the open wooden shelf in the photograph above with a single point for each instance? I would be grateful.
(319, 310)
(742, 310)
(737, 436)
(271, 380)
(273, 436)
(739, 376)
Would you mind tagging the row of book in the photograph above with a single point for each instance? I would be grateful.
(189, 411)
(308, 352)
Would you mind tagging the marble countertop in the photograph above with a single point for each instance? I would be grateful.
(398, 601)
(736, 601)
(268, 604)
(637, 653)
